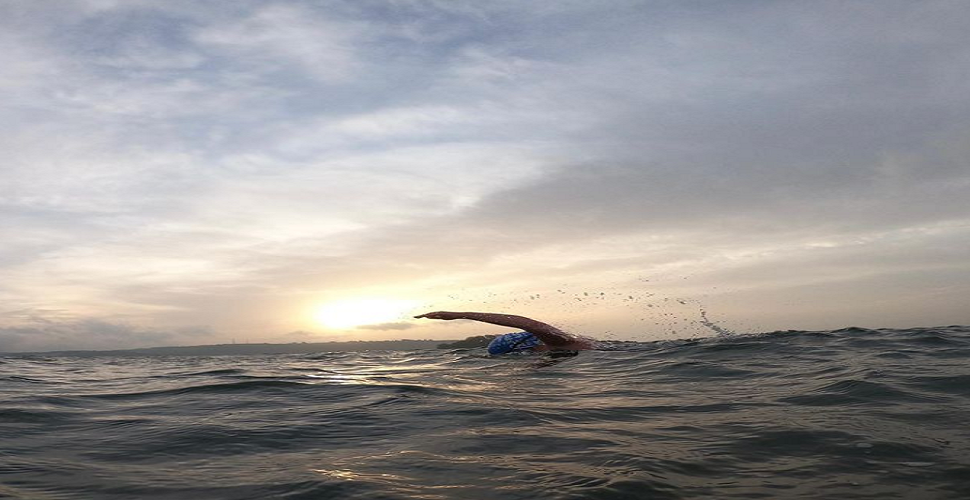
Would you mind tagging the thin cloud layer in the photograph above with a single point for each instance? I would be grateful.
(45, 334)
(173, 165)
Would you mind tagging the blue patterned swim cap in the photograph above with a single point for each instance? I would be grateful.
(513, 342)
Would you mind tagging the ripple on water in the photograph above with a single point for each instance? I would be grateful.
(851, 414)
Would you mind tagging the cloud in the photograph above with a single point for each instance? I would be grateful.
(278, 34)
(181, 163)
(387, 326)
(86, 334)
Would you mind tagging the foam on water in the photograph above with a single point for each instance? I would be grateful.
(851, 413)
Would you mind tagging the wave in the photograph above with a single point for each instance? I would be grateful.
(849, 413)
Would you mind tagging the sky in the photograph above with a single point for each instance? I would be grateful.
(191, 172)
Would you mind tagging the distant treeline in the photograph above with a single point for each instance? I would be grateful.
(292, 348)
(470, 342)
(252, 349)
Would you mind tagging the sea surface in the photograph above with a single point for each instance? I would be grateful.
(844, 414)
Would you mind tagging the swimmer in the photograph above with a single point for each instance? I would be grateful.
(535, 336)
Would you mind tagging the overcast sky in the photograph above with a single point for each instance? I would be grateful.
(190, 172)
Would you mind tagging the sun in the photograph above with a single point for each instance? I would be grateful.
(352, 313)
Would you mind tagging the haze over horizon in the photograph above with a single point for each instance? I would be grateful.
(182, 172)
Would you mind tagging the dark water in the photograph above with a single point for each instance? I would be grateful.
(845, 414)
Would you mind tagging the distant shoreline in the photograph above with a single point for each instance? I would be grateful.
(249, 349)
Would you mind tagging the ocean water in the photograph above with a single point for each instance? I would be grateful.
(843, 414)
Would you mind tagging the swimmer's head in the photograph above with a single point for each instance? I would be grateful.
(513, 342)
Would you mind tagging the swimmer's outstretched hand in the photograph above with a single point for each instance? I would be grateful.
(440, 315)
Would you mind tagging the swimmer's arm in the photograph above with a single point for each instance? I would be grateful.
(548, 334)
